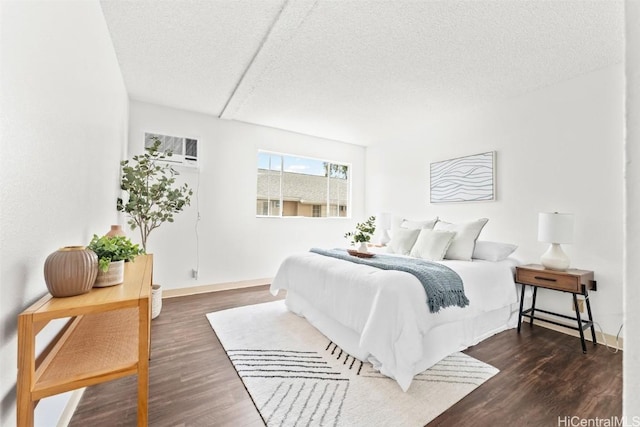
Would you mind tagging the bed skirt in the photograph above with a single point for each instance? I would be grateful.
(438, 342)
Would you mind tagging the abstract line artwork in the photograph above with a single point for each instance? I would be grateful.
(464, 179)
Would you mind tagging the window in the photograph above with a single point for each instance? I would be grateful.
(299, 186)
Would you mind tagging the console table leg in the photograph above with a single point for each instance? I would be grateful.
(143, 362)
(26, 371)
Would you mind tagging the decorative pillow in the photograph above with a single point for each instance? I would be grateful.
(432, 244)
(413, 225)
(465, 240)
(402, 241)
(398, 222)
(493, 251)
(395, 224)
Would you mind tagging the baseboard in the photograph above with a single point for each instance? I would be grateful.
(602, 338)
(201, 289)
(70, 408)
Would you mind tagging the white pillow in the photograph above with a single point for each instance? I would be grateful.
(465, 240)
(396, 221)
(413, 225)
(432, 244)
(493, 251)
(402, 241)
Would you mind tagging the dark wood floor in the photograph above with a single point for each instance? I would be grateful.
(543, 376)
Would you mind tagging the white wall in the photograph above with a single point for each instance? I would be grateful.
(631, 356)
(234, 244)
(64, 128)
(558, 149)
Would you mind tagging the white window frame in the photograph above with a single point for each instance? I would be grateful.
(281, 201)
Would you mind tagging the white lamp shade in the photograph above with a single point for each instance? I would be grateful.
(554, 227)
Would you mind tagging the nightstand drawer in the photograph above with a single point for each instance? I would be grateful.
(552, 280)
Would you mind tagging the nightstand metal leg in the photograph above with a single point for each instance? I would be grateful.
(575, 305)
(593, 329)
(521, 305)
(533, 305)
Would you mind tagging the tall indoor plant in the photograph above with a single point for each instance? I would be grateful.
(153, 195)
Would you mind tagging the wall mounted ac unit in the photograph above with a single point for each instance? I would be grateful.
(185, 150)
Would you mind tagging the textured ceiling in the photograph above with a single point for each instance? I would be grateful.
(355, 71)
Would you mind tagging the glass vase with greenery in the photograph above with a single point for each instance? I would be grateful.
(363, 232)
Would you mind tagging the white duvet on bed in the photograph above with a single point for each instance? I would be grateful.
(386, 308)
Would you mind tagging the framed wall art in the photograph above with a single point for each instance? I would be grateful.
(464, 179)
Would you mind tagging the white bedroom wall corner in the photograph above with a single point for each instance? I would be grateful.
(631, 356)
(64, 111)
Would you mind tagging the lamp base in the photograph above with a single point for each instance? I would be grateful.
(555, 258)
(384, 239)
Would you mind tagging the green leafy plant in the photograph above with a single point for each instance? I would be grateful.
(364, 231)
(153, 196)
(113, 248)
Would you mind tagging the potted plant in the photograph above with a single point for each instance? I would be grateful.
(112, 252)
(363, 233)
(153, 196)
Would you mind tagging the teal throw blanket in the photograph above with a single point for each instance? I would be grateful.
(443, 286)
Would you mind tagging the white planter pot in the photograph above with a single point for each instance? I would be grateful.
(363, 247)
(156, 300)
(113, 276)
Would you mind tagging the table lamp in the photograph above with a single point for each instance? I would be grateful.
(555, 228)
(384, 224)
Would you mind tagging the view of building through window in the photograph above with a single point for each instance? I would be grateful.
(299, 186)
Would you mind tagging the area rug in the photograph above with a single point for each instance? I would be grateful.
(297, 377)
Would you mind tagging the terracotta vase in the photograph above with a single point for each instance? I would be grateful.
(116, 230)
(70, 271)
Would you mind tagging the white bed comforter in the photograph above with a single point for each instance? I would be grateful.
(388, 309)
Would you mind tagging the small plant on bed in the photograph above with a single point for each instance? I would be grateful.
(362, 234)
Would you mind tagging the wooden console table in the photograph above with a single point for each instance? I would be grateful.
(107, 337)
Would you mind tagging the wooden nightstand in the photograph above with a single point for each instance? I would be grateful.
(573, 281)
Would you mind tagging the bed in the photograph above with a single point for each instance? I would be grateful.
(381, 316)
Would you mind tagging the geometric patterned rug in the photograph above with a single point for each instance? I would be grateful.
(297, 377)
